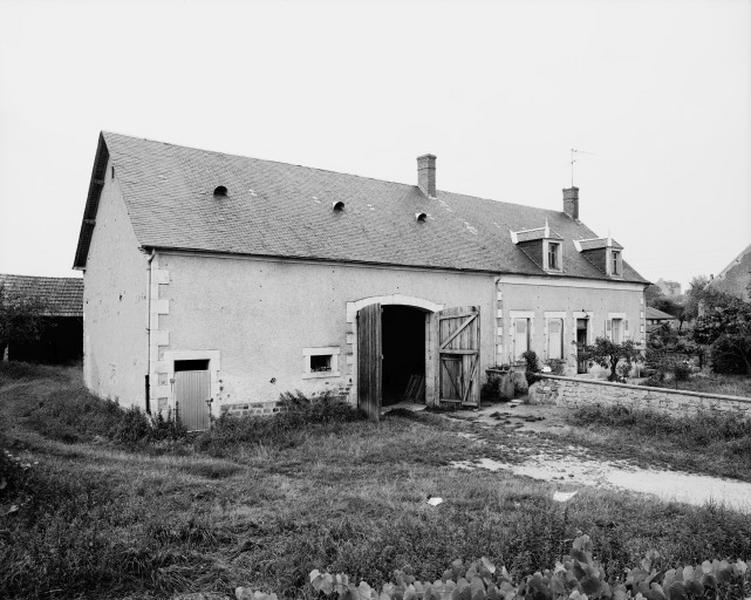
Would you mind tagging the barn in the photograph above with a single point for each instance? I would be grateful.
(58, 306)
(215, 282)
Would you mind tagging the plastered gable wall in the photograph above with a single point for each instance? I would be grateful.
(599, 302)
(115, 306)
(261, 314)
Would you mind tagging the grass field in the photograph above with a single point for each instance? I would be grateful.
(98, 519)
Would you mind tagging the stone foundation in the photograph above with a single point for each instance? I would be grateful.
(574, 393)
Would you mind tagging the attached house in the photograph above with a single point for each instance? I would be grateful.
(215, 282)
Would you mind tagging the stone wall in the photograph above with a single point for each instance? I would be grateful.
(573, 393)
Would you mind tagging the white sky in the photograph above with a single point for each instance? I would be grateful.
(659, 90)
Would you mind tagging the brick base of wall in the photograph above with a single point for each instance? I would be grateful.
(253, 409)
(574, 393)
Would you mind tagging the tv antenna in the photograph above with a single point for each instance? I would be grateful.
(573, 160)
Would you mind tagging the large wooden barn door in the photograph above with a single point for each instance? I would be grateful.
(369, 360)
(459, 355)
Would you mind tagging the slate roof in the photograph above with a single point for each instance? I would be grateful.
(60, 296)
(653, 313)
(531, 235)
(597, 244)
(282, 210)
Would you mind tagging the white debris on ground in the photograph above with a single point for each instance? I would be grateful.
(559, 496)
(666, 485)
(435, 501)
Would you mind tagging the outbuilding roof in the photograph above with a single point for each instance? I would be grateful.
(275, 209)
(654, 314)
(58, 296)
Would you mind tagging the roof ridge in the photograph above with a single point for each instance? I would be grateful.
(40, 276)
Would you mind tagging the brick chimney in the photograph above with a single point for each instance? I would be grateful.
(426, 174)
(571, 202)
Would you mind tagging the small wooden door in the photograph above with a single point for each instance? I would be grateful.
(192, 393)
(459, 355)
(369, 360)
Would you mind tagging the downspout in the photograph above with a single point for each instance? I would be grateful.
(148, 333)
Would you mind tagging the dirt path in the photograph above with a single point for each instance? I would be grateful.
(573, 466)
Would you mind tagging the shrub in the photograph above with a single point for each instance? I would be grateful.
(133, 428)
(682, 370)
(171, 428)
(532, 366)
(557, 366)
(489, 390)
(726, 358)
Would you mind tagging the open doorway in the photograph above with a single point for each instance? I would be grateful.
(403, 354)
(581, 344)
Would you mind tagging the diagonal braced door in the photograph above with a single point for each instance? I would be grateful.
(459, 355)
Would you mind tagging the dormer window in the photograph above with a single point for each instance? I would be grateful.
(602, 253)
(542, 245)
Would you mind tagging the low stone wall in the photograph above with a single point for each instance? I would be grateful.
(573, 392)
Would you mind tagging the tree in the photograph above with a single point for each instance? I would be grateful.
(698, 291)
(20, 318)
(616, 357)
(651, 293)
(725, 325)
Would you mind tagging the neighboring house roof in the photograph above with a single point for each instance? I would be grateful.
(274, 209)
(59, 296)
(657, 315)
(735, 278)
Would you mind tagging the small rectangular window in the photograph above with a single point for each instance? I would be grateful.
(616, 266)
(320, 363)
(554, 250)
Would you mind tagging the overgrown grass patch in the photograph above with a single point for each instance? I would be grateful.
(22, 371)
(211, 469)
(715, 443)
(323, 413)
(711, 383)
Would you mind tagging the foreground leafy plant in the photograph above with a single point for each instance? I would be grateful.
(578, 577)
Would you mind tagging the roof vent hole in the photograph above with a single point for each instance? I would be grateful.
(338, 206)
(220, 190)
(421, 217)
